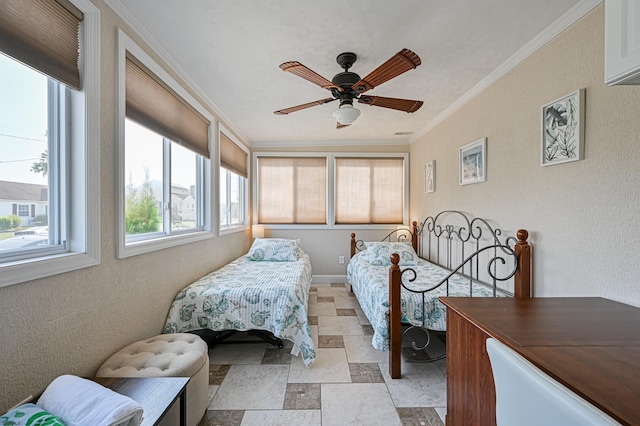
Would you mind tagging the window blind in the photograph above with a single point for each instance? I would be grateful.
(150, 103)
(232, 157)
(43, 34)
(369, 190)
(292, 190)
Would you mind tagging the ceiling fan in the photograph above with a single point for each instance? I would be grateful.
(347, 86)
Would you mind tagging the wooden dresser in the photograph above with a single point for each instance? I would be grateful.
(590, 345)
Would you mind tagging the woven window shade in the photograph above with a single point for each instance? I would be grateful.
(232, 157)
(156, 107)
(292, 190)
(369, 190)
(43, 34)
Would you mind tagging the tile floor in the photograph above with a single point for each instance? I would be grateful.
(349, 383)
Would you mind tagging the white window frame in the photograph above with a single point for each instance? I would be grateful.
(331, 178)
(28, 210)
(82, 207)
(225, 230)
(132, 247)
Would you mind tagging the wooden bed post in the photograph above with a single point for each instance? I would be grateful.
(522, 278)
(395, 317)
(353, 244)
(414, 236)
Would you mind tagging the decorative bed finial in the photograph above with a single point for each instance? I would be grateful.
(522, 235)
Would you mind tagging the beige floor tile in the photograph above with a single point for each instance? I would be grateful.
(359, 349)
(347, 326)
(357, 404)
(346, 302)
(330, 366)
(421, 385)
(281, 417)
(322, 309)
(249, 387)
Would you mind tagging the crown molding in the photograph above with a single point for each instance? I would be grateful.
(562, 23)
(312, 143)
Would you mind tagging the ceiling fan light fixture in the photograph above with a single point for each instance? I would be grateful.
(346, 114)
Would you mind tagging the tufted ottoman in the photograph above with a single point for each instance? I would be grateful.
(167, 355)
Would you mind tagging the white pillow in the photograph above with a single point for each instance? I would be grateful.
(379, 253)
(274, 249)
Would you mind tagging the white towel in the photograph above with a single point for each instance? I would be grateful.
(82, 402)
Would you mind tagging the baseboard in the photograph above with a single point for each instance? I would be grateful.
(328, 279)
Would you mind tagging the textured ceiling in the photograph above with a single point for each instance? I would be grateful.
(231, 51)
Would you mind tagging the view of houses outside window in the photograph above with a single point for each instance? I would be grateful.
(231, 209)
(24, 144)
(149, 183)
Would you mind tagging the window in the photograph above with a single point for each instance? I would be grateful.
(369, 190)
(160, 200)
(232, 195)
(164, 158)
(292, 190)
(23, 210)
(331, 189)
(233, 183)
(50, 119)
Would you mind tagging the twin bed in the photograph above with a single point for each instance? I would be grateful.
(266, 289)
(396, 282)
(459, 256)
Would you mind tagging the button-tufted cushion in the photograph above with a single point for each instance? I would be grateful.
(167, 355)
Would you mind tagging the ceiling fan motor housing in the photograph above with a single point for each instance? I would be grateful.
(346, 79)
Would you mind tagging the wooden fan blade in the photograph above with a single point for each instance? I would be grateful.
(406, 105)
(401, 62)
(341, 126)
(303, 106)
(295, 67)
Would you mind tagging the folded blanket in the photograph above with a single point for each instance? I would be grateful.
(81, 402)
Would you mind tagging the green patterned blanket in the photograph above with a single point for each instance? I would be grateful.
(250, 295)
(370, 283)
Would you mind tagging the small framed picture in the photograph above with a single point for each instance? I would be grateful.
(430, 176)
(563, 129)
(473, 162)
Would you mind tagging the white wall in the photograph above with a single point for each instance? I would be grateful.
(582, 216)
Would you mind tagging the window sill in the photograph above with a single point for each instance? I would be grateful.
(148, 246)
(233, 229)
(34, 268)
(335, 227)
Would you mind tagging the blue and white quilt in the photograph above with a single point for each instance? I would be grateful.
(370, 283)
(250, 295)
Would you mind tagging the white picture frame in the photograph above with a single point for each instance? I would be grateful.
(473, 162)
(562, 138)
(430, 176)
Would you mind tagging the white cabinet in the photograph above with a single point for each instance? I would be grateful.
(622, 42)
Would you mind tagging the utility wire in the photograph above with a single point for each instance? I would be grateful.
(20, 137)
(17, 161)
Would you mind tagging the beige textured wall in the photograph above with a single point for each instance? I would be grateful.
(582, 216)
(70, 323)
